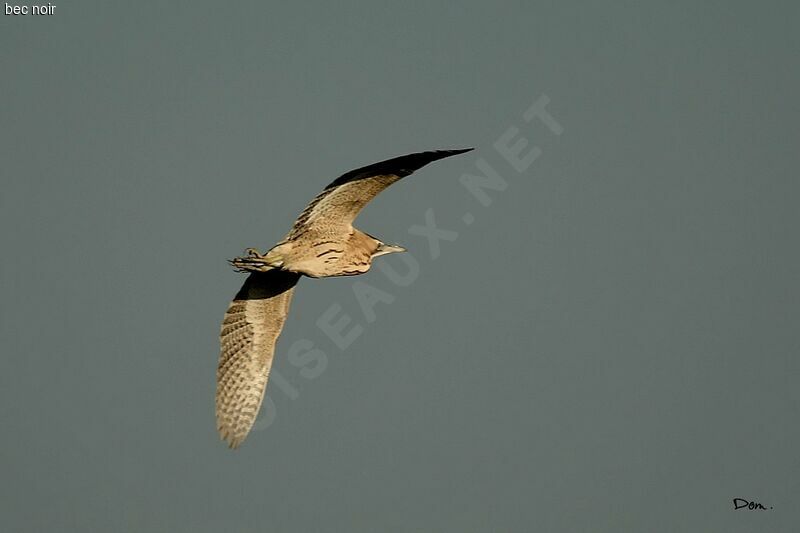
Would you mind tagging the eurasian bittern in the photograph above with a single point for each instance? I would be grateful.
(321, 243)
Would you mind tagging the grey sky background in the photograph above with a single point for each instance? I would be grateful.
(611, 345)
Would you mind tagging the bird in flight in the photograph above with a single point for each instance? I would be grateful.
(322, 243)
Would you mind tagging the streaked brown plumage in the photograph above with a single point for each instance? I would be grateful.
(321, 243)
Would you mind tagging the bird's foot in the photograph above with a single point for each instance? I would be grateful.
(253, 262)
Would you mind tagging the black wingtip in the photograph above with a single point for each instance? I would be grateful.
(401, 166)
(420, 159)
(435, 155)
(440, 154)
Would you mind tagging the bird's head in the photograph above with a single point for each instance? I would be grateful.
(384, 249)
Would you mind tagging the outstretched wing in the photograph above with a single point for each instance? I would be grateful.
(335, 208)
(250, 329)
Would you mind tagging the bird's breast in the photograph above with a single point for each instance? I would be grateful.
(328, 259)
